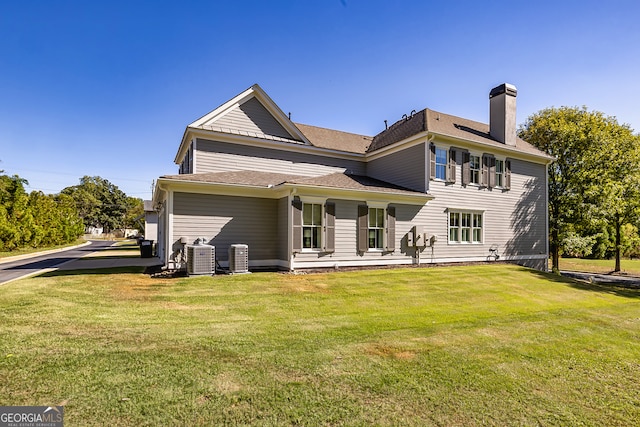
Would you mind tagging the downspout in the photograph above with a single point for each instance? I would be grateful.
(193, 155)
(290, 229)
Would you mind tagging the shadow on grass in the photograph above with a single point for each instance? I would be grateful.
(623, 289)
(105, 271)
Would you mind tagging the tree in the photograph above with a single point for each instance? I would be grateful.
(135, 213)
(565, 134)
(612, 180)
(99, 202)
(593, 183)
(35, 219)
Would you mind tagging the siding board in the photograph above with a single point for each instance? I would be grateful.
(215, 156)
(253, 118)
(406, 168)
(227, 220)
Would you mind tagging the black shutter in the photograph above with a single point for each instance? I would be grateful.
(391, 229)
(451, 172)
(466, 173)
(330, 227)
(297, 225)
(507, 174)
(432, 161)
(363, 228)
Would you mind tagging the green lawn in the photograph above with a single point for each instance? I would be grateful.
(452, 346)
(628, 266)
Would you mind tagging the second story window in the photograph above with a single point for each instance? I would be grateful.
(474, 169)
(499, 173)
(441, 163)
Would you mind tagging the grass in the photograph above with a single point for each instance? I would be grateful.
(476, 345)
(628, 266)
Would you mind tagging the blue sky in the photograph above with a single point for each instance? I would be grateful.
(107, 88)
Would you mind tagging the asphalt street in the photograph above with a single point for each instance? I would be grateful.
(15, 269)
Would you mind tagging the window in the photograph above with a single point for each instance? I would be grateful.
(376, 228)
(465, 227)
(499, 173)
(474, 169)
(441, 163)
(454, 226)
(311, 226)
(477, 228)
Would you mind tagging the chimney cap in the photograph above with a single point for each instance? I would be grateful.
(507, 88)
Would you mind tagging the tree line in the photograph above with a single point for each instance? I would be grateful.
(594, 182)
(35, 220)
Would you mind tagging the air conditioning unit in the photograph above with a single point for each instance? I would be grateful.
(238, 259)
(201, 259)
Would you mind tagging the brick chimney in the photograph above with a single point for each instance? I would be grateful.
(502, 113)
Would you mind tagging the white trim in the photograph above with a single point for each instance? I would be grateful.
(381, 262)
(377, 204)
(313, 200)
(193, 155)
(168, 248)
(252, 141)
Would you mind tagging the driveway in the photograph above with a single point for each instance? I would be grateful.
(95, 254)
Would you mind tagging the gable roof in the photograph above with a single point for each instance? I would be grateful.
(251, 113)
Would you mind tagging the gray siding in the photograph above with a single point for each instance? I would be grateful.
(252, 118)
(227, 220)
(514, 220)
(214, 156)
(406, 168)
(346, 239)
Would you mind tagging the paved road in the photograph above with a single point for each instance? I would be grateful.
(13, 270)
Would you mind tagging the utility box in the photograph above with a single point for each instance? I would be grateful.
(417, 237)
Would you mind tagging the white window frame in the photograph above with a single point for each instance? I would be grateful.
(442, 166)
(378, 229)
(500, 177)
(475, 175)
(462, 227)
(318, 209)
(321, 203)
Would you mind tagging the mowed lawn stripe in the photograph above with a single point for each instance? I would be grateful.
(490, 344)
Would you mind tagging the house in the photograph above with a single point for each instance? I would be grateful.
(431, 188)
